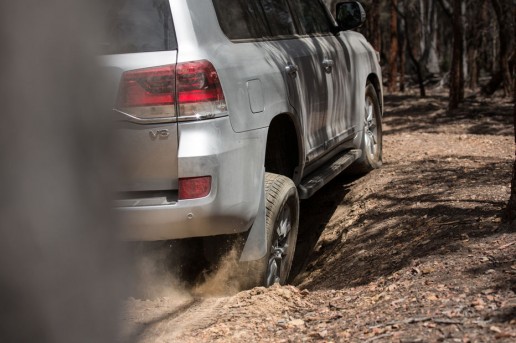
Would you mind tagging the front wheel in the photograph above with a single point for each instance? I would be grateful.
(371, 135)
(281, 224)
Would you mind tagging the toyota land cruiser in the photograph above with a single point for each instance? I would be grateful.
(230, 111)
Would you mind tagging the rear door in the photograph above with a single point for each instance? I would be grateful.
(316, 27)
(308, 88)
(140, 55)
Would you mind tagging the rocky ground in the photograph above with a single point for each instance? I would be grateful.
(416, 251)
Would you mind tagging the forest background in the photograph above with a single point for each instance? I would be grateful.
(466, 46)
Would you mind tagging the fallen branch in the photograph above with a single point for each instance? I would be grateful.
(507, 245)
(457, 222)
(416, 320)
(447, 321)
(419, 320)
(406, 321)
(372, 339)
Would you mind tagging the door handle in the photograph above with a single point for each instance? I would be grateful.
(291, 69)
(328, 65)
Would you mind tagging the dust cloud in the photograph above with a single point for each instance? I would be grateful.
(156, 269)
(223, 281)
(167, 269)
(176, 290)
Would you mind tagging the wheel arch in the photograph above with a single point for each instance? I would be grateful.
(284, 148)
(375, 81)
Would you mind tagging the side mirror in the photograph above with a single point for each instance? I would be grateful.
(350, 15)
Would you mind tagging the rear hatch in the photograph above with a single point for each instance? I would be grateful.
(139, 63)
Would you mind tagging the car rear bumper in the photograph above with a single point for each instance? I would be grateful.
(235, 163)
(152, 223)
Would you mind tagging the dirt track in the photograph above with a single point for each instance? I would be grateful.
(413, 252)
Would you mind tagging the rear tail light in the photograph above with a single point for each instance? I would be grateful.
(199, 91)
(194, 187)
(150, 94)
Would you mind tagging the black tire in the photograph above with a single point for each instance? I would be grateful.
(282, 214)
(372, 135)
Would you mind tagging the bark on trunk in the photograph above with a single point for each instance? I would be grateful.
(503, 77)
(477, 40)
(465, 26)
(375, 32)
(432, 64)
(456, 73)
(402, 41)
(393, 53)
(511, 207)
(473, 71)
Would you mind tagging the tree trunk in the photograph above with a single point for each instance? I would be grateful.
(476, 42)
(432, 64)
(402, 41)
(393, 53)
(465, 26)
(511, 207)
(456, 73)
(410, 49)
(62, 272)
(473, 69)
(375, 36)
(502, 76)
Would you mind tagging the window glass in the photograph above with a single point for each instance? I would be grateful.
(248, 19)
(313, 17)
(278, 17)
(241, 19)
(138, 26)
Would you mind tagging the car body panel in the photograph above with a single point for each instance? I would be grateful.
(325, 107)
(147, 160)
(206, 148)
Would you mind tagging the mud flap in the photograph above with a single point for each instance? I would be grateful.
(256, 245)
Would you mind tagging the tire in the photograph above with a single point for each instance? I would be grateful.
(281, 224)
(372, 135)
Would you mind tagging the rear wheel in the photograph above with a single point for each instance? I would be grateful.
(282, 221)
(371, 135)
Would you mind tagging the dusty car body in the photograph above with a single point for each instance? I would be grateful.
(214, 99)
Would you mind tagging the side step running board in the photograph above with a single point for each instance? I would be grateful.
(313, 182)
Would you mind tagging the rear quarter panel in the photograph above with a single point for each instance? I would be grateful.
(239, 65)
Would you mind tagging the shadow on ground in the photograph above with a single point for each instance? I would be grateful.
(315, 213)
(414, 215)
(476, 116)
(384, 221)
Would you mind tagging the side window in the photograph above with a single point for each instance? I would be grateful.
(250, 19)
(241, 19)
(278, 17)
(313, 17)
(138, 26)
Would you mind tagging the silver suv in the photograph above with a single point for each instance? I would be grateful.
(230, 111)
